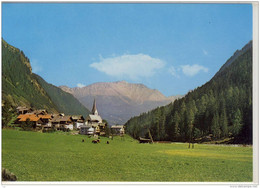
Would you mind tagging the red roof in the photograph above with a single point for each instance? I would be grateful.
(31, 117)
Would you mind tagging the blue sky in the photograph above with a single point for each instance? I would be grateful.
(170, 47)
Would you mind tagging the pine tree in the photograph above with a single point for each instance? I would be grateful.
(224, 124)
(189, 120)
(236, 123)
(215, 126)
(176, 121)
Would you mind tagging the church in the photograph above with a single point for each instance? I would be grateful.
(94, 123)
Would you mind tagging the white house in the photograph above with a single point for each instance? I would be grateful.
(118, 129)
(78, 121)
(69, 126)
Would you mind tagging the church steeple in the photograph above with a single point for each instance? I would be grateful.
(94, 109)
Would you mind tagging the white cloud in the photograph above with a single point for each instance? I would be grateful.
(129, 66)
(205, 52)
(80, 85)
(191, 70)
(173, 72)
(36, 68)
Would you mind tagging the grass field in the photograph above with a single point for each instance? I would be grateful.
(33, 156)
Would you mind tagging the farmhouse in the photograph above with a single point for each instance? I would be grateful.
(46, 119)
(40, 112)
(61, 121)
(35, 120)
(118, 129)
(40, 118)
(23, 110)
(78, 121)
(87, 130)
(93, 121)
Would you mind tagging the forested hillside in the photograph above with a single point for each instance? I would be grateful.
(20, 87)
(64, 101)
(221, 108)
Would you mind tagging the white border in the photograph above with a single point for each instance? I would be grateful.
(255, 7)
(255, 92)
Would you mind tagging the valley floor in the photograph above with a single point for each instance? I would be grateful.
(33, 156)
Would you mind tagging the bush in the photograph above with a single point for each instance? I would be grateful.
(8, 176)
(48, 130)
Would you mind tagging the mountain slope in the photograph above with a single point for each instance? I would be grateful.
(21, 87)
(64, 101)
(220, 108)
(119, 101)
(18, 85)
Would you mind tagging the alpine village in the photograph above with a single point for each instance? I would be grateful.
(42, 121)
(49, 135)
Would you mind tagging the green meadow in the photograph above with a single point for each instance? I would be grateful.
(33, 156)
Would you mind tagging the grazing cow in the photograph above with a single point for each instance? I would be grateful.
(94, 141)
(107, 142)
(98, 140)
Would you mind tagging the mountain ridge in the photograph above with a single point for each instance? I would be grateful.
(120, 84)
(235, 56)
(115, 98)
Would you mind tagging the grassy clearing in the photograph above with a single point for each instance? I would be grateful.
(33, 156)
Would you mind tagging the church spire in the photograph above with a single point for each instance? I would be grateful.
(94, 109)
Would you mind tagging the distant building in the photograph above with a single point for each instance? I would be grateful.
(41, 119)
(23, 110)
(60, 122)
(93, 121)
(40, 112)
(35, 120)
(117, 129)
(46, 121)
(78, 121)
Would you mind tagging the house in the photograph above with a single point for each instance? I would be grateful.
(83, 130)
(90, 131)
(46, 120)
(23, 110)
(117, 130)
(60, 121)
(94, 121)
(40, 112)
(32, 118)
(69, 126)
(43, 121)
(87, 130)
(78, 121)
(55, 121)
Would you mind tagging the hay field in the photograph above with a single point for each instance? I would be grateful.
(35, 156)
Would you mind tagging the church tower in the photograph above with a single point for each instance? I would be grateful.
(94, 108)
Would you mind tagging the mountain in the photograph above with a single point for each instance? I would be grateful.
(119, 101)
(65, 102)
(220, 109)
(20, 87)
(238, 53)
